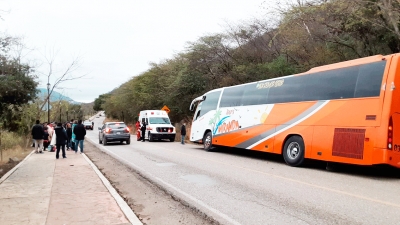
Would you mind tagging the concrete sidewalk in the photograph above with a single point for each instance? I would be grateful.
(46, 190)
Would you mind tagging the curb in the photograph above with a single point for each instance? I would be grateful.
(170, 190)
(5, 176)
(130, 215)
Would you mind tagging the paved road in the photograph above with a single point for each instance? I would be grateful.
(240, 187)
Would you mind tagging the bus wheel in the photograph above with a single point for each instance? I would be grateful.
(150, 137)
(207, 141)
(293, 151)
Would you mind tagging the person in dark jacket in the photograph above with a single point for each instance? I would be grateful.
(46, 141)
(143, 129)
(80, 132)
(37, 136)
(69, 135)
(61, 138)
(183, 133)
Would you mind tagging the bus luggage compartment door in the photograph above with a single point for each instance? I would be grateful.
(394, 133)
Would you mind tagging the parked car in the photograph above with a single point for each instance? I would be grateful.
(113, 132)
(88, 125)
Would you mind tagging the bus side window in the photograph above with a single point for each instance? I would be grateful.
(232, 96)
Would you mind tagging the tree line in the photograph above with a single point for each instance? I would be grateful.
(292, 39)
(20, 101)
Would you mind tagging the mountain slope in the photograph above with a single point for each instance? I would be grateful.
(55, 96)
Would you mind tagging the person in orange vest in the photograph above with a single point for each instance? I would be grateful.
(137, 125)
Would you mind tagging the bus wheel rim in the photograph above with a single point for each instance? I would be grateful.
(293, 150)
(208, 141)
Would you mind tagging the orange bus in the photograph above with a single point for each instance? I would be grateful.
(348, 112)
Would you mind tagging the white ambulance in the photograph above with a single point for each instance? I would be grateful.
(158, 125)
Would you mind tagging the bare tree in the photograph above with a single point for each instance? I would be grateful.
(67, 74)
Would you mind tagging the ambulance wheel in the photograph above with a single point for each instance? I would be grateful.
(151, 137)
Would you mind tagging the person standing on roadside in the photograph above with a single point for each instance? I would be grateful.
(183, 133)
(53, 139)
(37, 136)
(69, 135)
(46, 141)
(50, 130)
(138, 136)
(45, 125)
(80, 132)
(73, 146)
(61, 138)
(143, 129)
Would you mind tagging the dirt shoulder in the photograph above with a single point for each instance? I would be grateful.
(10, 158)
(151, 204)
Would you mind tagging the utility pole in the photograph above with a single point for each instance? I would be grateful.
(48, 102)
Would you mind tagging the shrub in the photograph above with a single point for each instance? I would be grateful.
(10, 140)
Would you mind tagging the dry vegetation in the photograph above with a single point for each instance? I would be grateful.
(13, 149)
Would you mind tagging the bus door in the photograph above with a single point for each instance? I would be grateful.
(195, 134)
(203, 120)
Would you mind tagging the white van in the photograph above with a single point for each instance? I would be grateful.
(158, 125)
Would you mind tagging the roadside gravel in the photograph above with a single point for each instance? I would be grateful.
(150, 203)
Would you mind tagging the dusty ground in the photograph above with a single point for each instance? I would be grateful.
(151, 204)
(10, 158)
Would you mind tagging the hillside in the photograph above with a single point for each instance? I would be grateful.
(55, 96)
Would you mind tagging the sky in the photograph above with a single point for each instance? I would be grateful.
(113, 40)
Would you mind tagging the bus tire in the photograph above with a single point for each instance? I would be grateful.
(207, 141)
(293, 151)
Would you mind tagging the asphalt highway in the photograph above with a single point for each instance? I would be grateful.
(242, 187)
